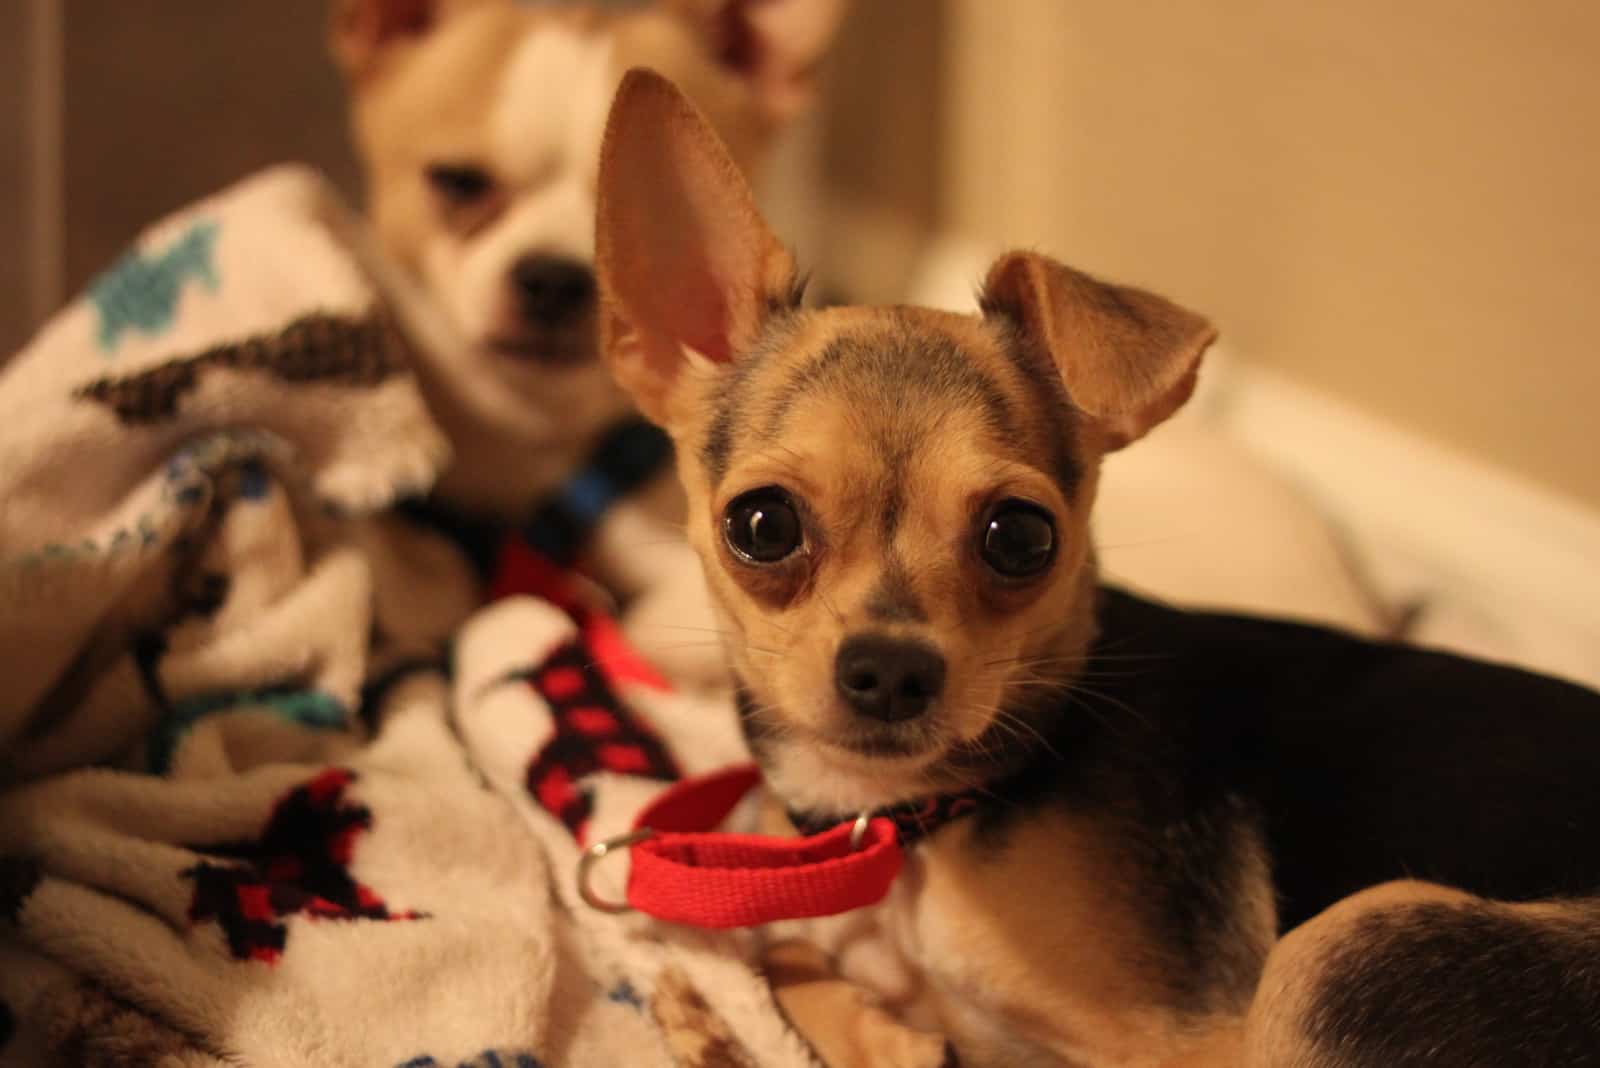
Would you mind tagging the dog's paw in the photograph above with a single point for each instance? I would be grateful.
(845, 1025)
(362, 477)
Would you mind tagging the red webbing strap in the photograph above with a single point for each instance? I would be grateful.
(682, 874)
(521, 569)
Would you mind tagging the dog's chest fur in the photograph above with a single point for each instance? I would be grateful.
(1035, 941)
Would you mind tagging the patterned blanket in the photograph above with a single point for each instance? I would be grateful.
(277, 788)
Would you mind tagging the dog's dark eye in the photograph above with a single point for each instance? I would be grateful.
(762, 526)
(1018, 539)
(460, 183)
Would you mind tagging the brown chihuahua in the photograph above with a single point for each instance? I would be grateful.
(1119, 809)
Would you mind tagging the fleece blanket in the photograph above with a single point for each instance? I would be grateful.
(275, 787)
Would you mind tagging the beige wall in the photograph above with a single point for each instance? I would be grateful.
(165, 103)
(13, 184)
(884, 124)
(29, 266)
(1399, 203)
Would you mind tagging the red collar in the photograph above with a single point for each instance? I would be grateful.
(683, 871)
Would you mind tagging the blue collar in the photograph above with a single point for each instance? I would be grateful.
(628, 455)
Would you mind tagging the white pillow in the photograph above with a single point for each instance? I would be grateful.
(1188, 516)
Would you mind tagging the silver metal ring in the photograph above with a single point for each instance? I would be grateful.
(859, 831)
(597, 852)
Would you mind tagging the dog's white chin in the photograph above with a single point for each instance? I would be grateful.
(475, 386)
(828, 779)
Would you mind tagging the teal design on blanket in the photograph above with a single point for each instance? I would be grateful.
(624, 994)
(311, 709)
(489, 1058)
(140, 292)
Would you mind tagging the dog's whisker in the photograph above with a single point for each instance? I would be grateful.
(1008, 720)
(823, 597)
(652, 543)
(1128, 710)
(1145, 543)
(672, 646)
(1095, 658)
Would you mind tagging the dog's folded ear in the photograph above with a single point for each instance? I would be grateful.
(361, 31)
(1129, 358)
(684, 259)
(775, 44)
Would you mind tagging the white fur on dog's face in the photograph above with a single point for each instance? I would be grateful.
(543, 145)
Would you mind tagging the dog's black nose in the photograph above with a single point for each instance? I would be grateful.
(552, 290)
(889, 679)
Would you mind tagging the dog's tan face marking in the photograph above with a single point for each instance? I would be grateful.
(895, 435)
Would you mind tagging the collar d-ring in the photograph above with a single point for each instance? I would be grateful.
(859, 830)
(598, 852)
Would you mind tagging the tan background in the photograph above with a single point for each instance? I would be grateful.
(161, 110)
(1399, 203)
(17, 254)
(158, 103)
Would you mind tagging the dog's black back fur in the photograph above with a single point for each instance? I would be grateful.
(1359, 761)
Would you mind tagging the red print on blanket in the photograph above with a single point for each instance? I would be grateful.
(521, 570)
(300, 865)
(593, 732)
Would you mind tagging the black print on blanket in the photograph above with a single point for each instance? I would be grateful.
(314, 348)
(593, 732)
(300, 865)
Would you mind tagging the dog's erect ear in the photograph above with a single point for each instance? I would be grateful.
(1129, 358)
(360, 31)
(775, 44)
(683, 256)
